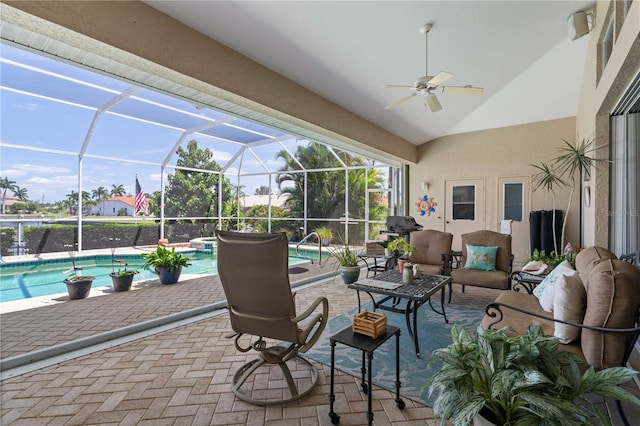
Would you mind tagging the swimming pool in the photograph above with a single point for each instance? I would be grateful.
(43, 278)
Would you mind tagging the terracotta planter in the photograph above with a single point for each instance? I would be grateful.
(79, 288)
(167, 277)
(121, 282)
(350, 274)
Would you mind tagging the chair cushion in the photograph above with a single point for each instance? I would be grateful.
(589, 257)
(430, 269)
(489, 279)
(613, 298)
(481, 258)
(545, 291)
(569, 304)
(489, 238)
(430, 246)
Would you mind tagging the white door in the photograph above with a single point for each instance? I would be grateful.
(465, 208)
(513, 204)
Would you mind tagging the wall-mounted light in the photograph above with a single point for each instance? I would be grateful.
(579, 24)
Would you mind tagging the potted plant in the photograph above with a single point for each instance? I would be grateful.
(166, 263)
(519, 380)
(347, 262)
(325, 234)
(122, 278)
(78, 285)
(402, 249)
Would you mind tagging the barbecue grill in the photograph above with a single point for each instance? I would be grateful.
(401, 225)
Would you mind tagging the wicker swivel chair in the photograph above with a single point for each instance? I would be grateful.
(253, 269)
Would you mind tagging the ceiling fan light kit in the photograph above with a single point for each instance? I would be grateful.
(427, 85)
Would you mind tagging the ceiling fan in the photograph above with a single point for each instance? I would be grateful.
(427, 85)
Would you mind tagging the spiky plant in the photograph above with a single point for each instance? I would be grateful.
(574, 159)
(548, 179)
(519, 380)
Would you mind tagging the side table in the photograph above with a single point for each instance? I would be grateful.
(368, 346)
(526, 280)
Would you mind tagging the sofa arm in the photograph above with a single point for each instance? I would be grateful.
(496, 310)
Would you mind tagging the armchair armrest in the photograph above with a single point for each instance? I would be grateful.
(450, 260)
(311, 340)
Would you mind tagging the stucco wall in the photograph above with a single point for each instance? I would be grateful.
(600, 93)
(490, 154)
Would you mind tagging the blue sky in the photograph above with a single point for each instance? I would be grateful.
(50, 105)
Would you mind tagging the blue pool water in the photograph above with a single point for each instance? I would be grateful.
(33, 279)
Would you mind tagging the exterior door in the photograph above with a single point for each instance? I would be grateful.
(513, 204)
(465, 208)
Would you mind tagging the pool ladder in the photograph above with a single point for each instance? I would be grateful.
(311, 234)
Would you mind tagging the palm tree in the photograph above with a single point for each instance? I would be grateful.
(573, 162)
(117, 190)
(21, 193)
(6, 185)
(101, 193)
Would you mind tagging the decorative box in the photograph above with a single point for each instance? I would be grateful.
(370, 324)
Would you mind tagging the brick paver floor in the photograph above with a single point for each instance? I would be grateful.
(178, 376)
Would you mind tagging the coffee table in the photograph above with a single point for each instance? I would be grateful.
(389, 284)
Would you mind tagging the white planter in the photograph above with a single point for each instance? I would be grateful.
(478, 420)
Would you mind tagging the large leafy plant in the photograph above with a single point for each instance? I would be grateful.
(519, 380)
(165, 258)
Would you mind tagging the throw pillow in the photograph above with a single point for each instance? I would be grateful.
(482, 258)
(569, 304)
(545, 290)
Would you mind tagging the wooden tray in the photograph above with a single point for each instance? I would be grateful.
(370, 324)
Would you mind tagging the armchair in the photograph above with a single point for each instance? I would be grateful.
(431, 249)
(499, 278)
(253, 269)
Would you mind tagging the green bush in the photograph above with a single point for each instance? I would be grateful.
(7, 238)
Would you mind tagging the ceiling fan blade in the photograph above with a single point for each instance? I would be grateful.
(399, 101)
(463, 90)
(433, 102)
(440, 78)
(397, 86)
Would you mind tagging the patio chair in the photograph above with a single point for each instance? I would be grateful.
(432, 248)
(254, 274)
(476, 250)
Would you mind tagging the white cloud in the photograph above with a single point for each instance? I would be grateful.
(38, 168)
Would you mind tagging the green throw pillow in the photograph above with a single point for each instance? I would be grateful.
(482, 258)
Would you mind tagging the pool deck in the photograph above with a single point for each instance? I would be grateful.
(181, 375)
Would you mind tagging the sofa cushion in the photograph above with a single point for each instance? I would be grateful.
(569, 304)
(545, 291)
(481, 258)
(613, 298)
(589, 257)
(520, 320)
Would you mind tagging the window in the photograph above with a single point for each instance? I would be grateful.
(607, 42)
(464, 202)
(513, 201)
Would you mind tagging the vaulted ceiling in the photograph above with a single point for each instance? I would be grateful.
(518, 51)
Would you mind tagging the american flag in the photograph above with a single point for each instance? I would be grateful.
(141, 200)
